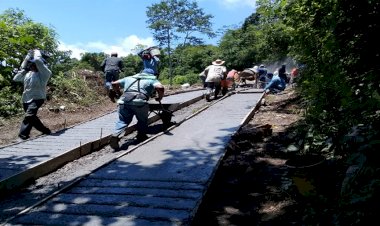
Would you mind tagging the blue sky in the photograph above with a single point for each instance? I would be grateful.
(115, 25)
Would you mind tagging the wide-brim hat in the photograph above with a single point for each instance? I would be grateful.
(218, 62)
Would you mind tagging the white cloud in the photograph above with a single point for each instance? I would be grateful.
(76, 50)
(96, 45)
(123, 46)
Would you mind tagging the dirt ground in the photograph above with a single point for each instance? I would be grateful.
(55, 120)
(253, 185)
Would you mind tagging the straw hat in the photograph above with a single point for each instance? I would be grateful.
(218, 62)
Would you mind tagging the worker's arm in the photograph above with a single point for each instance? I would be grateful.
(160, 91)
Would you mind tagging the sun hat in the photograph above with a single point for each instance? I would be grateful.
(218, 62)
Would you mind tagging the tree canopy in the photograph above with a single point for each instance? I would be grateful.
(172, 20)
(18, 34)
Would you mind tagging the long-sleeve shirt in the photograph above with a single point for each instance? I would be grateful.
(151, 63)
(112, 64)
(276, 83)
(34, 82)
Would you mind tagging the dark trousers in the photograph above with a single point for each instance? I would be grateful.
(31, 120)
(111, 76)
(214, 86)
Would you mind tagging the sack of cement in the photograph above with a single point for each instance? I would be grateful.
(186, 85)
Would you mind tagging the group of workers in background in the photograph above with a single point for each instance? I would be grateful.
(133, 92)
(139, 88)
(216, 78)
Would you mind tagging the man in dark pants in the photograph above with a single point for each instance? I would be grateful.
(35, 76)
(214, 74)
(112, 66)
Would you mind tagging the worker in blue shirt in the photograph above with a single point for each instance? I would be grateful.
(276, 83)
(150, 58)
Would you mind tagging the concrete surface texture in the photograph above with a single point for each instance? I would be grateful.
(162, 182)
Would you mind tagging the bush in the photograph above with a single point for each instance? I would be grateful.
(190, 78)
(73, 89)
(10, 102)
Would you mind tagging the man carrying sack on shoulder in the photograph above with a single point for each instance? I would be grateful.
(34, 74)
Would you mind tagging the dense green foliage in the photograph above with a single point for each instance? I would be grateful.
(335, 42)
(189, 60)
(72, 89)
(174, 20)
(18, 34)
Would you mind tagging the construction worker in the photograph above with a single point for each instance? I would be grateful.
(112, 66)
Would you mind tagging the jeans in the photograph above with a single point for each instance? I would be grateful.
(126, 113)
(31, 120)
(111, 76)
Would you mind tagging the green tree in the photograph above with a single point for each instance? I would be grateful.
(61, 62)
(263, 37)
(239, 48)
(274, 35)
(132, 65)
(195, 58)
(18, 34)
(172, 20)
(93, 59)
(335, 41)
